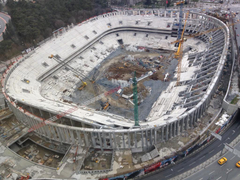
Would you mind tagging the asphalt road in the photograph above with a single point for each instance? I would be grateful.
(192, 161)
(217, 172)
(3, 20)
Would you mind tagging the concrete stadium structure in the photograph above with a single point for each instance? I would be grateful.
(33, 85)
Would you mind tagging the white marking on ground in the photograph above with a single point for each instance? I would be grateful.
(233, 157)
(211, 151)
(228, 171)
(192, 163)
(180, 169)
(219, 145)
(167, 175)
(223, 165)
(219, 178)
(202, 157)
(211, 172)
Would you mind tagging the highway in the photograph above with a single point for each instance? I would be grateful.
(3, 20)
(192, 161)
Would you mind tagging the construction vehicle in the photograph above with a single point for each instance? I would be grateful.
(51, 56)
(105, 106)
(126, 64)
(84, 84)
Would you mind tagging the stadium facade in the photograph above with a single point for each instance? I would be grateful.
(33, 85)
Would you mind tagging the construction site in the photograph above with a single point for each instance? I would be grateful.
(153, 71)
(114, 93)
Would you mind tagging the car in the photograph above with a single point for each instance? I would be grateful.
(222, 161)
(238, 164)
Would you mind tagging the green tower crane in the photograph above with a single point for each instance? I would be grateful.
(135, 99)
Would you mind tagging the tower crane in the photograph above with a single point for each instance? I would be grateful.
(180, 40)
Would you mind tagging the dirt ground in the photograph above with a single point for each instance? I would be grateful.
(120, 67)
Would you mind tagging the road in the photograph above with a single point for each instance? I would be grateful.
(217, 172)
(3, 21)
(192, 161)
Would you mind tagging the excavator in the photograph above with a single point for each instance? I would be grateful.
(105, 106)
(84, 84)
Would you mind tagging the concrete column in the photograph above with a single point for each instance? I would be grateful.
(72, 137)
(80, 142)
(104, 140)
(171, 14)
(181, 125)
(135, 137)
(186, 123)
(31, 109)
(86, 139)
(58, 136)
(167, 132)
(100, 141)
(111, 141)
(62, 134)
(114, 139)
(123, 139)
(129, 146)
(71, 122)
(93, 139)
(162, 133)
(151, 136)
(67, 135)
(47, 131)
(142, 140)
(54, 132)
(41, 112)
(170, 131)
(174, 128)
(155, 136)
(165, 13)
(146, 138)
